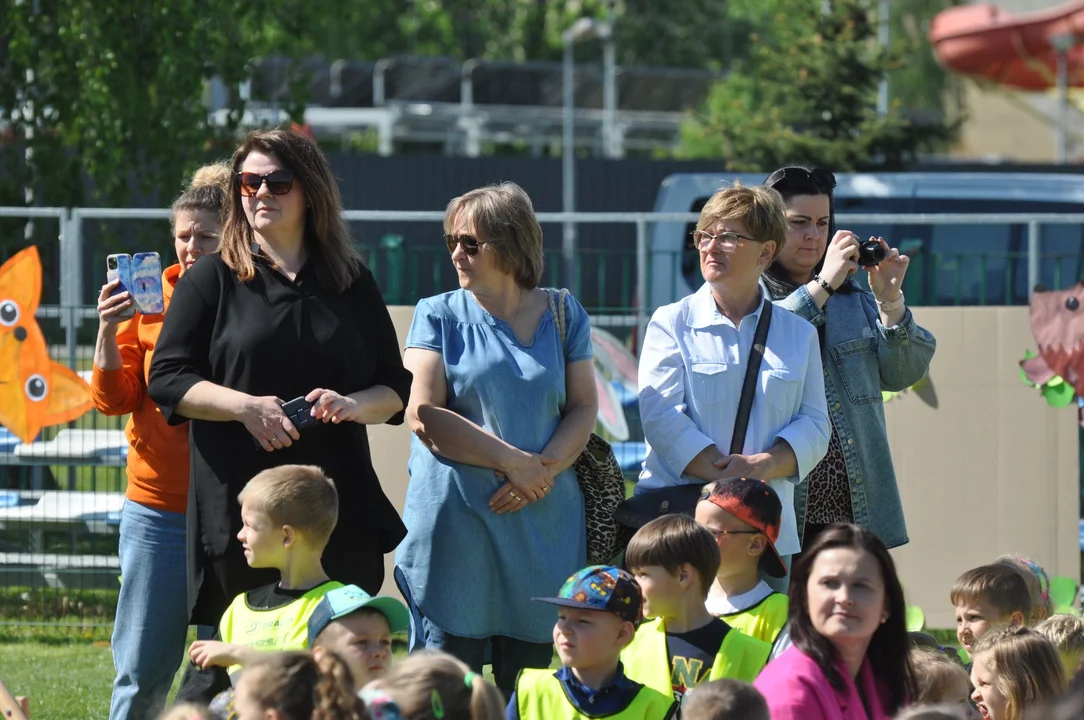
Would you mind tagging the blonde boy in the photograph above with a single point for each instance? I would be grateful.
(287, 516)
(1067, 634)
(989, 598)
(681, 645)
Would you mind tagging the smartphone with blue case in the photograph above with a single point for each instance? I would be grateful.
(119, 267)
(146, 268)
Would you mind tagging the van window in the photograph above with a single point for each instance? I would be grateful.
(956, 264)
(987, 264)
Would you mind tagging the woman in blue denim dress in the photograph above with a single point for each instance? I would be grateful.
(500, 410)
(869, 343)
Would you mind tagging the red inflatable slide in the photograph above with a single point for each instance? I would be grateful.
(1012, 50)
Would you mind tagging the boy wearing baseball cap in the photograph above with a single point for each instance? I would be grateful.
(744, 516)
(358, 628)
(599, 609)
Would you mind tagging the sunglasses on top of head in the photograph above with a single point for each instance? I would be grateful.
(798, 177)
(278, 182)
(469, 243)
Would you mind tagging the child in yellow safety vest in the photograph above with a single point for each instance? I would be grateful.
(598, 610)
(682, 645)
(287, 516)
(744, 516)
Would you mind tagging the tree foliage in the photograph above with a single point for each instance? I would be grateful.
(113, 90)
(808, 94)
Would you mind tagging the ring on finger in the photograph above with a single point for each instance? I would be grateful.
(515, 497)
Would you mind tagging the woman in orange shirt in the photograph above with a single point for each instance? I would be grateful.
(151, 626)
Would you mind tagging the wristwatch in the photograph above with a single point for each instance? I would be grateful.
(891, 306)
(824, 284)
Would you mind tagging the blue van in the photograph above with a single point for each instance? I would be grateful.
(979, 264)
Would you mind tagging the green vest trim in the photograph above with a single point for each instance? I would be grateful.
(277, 629)
(764, 620)
(647, 660)
(541, 696)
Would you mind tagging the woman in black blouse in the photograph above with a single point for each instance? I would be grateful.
(285, 310)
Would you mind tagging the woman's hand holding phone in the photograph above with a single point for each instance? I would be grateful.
(267, 423)
(113, 308)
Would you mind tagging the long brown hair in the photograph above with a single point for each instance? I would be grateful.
(301, 687)
(888, 651)
(327, 237)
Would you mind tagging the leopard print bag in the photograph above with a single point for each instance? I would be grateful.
(599, 475)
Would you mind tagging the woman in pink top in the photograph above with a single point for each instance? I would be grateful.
(849, 660)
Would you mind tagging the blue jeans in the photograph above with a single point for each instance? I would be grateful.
(507, 655)
(151, 628)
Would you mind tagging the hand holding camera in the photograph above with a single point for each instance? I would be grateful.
(840, 260)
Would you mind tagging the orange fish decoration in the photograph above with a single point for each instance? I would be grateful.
(34, 390)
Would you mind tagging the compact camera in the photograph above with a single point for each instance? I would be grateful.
(871, 252)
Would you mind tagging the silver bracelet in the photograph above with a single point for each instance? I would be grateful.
(887, 307)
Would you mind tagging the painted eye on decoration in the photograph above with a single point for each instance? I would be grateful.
(9, 313)
(36, 387)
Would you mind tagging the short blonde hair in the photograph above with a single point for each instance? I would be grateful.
(185, 711)
(300, 496)
(934, 675)
(1025, 665)
(1065, 631)
(504, 218)
(760, 208)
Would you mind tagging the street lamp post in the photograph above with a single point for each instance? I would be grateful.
(580, 30)
(884, 23)
(1062, 44)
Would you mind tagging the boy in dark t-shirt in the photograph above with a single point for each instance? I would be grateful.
(675, 560)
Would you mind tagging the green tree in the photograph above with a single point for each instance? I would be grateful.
(113, 90)
(919, 82)
(808, 94)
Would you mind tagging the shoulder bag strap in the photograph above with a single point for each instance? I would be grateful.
(557, 308)
(752, 372)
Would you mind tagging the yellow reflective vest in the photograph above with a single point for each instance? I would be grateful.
(541, 696)
(647, 659)
(763, 620)
(281, 628)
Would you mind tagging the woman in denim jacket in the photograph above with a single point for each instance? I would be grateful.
(869, 343)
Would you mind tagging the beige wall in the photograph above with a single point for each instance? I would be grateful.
(991, 470)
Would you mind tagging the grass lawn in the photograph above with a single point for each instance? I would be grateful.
(64, 681)
(73, 680)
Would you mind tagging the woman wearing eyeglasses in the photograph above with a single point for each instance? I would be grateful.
(869, 342)
(501, 408)
(285, 310)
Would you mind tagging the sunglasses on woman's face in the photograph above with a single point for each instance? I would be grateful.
(469, 243)
(278, 182)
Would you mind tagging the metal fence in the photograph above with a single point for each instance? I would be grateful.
(60, 496)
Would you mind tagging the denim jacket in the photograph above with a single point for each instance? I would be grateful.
(861, 358)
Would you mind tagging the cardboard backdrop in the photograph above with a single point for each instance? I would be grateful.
(991, 469)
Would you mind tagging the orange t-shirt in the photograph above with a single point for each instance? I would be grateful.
(158, 454)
